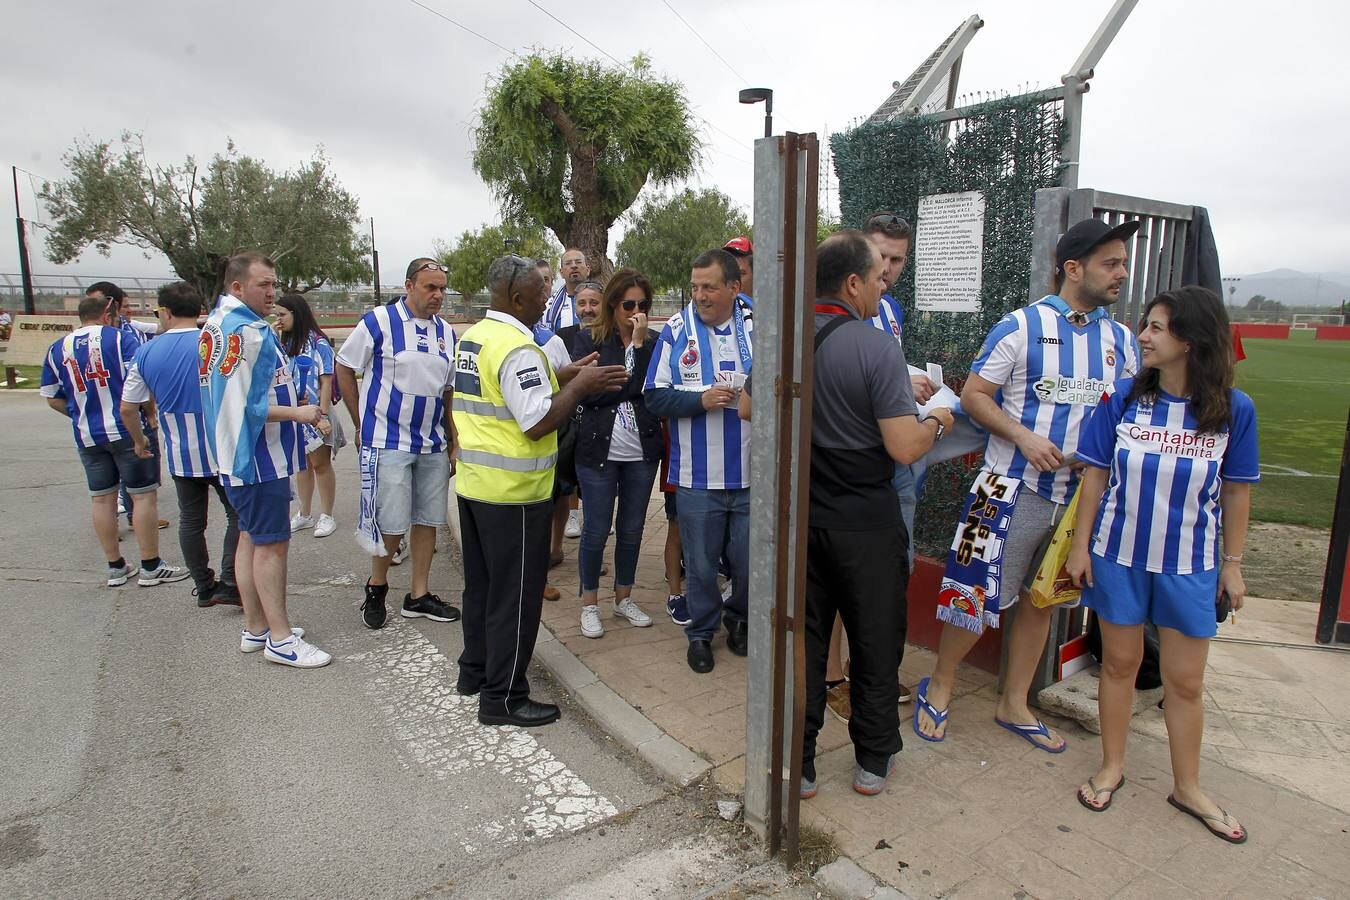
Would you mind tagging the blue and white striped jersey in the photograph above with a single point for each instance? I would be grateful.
(1161, 508)
(168, 370)
(242, 372)
(141, 331)
(319, 351)
(561, 311)
(890, 318)
(1053, 373)
(408, 365)
(709, 451)
(87, 369)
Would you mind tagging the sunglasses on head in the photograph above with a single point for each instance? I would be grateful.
(886, 220)
(630, 305)
(590, 286)
(433, 266)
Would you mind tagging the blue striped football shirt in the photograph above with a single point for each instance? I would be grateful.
(407, 365)
(709, 451)
(87, 369)
(1161, 510)
(1052, 375)
(167, 370)
(890, 318)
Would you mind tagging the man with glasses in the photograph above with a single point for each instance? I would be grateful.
(401, 414)
(508, 404)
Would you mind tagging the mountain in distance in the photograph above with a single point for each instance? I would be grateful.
(1294, 288)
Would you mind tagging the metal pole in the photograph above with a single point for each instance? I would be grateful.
(375, 262)
(25, 271)
(768, 115)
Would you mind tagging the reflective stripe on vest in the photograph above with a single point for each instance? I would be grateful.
(497, 462)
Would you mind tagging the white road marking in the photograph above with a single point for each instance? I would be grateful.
(413, 686)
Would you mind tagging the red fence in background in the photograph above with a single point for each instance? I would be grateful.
(1333, 332)
(1256, 330)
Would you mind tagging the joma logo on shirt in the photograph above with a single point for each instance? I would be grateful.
(1059, 389)
(1049, 340)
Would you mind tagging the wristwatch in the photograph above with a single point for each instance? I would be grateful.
(942, 429)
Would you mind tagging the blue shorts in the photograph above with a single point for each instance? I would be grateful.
(1127, 596)
(264, 509)
(108, 465)
(411, 489)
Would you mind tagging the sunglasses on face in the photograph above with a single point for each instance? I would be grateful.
(630, 305)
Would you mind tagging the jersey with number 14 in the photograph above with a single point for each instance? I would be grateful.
(86, 369)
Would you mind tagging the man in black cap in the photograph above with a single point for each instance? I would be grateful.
(1052, 361)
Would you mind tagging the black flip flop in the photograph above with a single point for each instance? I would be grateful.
(1096, 790)
(1205, 820)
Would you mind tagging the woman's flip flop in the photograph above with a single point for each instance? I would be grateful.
(1097, 792)
(1206, 820)
(921, 704)
(1031, 732)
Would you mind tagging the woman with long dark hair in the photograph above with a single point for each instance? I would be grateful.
(302, 337)
(1162, 521)
(618, 448)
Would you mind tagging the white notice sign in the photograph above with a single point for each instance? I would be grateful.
(949, 252)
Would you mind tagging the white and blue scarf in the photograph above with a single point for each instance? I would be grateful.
(692, 363)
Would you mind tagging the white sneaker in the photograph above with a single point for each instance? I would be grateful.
(298, 522)
(296, 653)
(401, 553)
(165, 574)
(252, 643)
(324, 527)
(118, 577)
(590, 622)
(630, 611)
(573, 529)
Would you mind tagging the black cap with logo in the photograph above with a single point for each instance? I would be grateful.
(1085, 236)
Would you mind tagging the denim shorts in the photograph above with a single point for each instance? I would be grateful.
(107, 466)
(411, 489)
(1123, 595)
(263, 509)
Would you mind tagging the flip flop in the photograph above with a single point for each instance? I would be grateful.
(1096, 792)
(1205, 820)
(921, 704)
(1030, 732)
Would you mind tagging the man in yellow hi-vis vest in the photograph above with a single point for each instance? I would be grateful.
(507, 406)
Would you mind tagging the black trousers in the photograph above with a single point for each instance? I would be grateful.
(194, 496)
(861, 575)
(505, 568)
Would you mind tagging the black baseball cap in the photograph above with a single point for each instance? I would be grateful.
(1085, 236)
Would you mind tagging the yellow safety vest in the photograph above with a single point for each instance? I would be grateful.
(497, 462)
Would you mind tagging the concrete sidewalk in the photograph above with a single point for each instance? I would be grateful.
(984, 814)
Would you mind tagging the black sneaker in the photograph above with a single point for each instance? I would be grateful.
(428, 606)
(373, 612)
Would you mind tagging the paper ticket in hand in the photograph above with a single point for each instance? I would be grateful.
(935, 375)
(737, 380)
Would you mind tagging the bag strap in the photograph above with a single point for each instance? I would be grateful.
(829, 329)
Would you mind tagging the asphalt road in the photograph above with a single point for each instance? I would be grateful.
(143, 755)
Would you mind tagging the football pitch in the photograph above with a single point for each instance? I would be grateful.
(1301, 388)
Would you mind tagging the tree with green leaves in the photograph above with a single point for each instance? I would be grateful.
(303, 219)
(570, 144)
(471, 255)
(666, 233)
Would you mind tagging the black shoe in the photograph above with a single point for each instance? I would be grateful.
(428, 606)
(373, 612)
(700, 656)
(527, 714)
(467, 687)
(738, 637)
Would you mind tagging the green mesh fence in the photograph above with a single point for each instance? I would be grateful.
(1006, 148)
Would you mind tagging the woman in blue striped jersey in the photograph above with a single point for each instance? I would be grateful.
(1162, 521)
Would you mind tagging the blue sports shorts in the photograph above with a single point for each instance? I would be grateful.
(264, 509)
(1128, 596)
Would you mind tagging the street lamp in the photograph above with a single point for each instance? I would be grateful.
(752, 96)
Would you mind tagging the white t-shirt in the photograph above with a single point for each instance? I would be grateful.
(625, 445)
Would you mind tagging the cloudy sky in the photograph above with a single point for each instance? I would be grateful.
(1237, 107)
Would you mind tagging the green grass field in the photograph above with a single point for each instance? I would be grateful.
(1301, 388)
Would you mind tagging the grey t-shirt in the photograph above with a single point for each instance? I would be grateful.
(860, 377)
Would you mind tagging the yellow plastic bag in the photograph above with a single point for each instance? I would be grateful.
(1052, 584)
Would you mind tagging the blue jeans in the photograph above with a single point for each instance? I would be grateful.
(905, 489)
(714, 525)
(631, 484)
